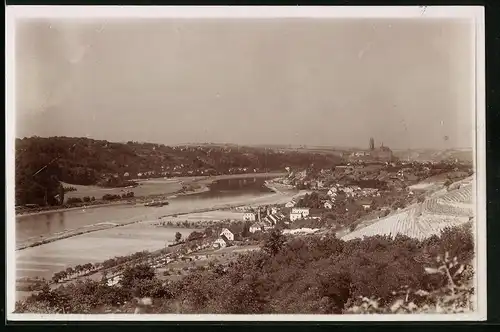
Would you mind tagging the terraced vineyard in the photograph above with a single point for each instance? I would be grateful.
(426, 219)
(392, 225)
(462, 195)
(436, 206)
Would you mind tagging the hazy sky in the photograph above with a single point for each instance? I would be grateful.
(407, 83)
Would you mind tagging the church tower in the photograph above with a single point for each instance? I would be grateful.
(372, 144)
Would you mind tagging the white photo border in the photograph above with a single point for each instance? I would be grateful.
(474, 13)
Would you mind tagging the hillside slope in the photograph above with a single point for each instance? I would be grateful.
(423, 220)
(42, 162)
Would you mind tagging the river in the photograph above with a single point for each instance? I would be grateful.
(224, 191)
(44, 260)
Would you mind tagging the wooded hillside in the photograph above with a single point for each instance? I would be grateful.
(41, 163)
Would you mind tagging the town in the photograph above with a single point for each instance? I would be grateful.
(370, 193)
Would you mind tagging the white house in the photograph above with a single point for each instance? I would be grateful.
(295, 216)
(249, 216)
(303, 211)
(274, 210)
(328, 205)
(227, 233)
(220, 243)
(366, 204)
(114, 280)
(332, 191)
(290, 204)
(256, 228)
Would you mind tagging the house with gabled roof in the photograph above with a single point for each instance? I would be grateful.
(228, 234)
(249, 216)
(221, 242)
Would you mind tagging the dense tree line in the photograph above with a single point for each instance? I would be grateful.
(289, 275)
(42, 163)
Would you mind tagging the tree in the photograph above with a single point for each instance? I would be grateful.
(335, 286)
(193, 236)
(274, 242)
(61, 194)
(178, 236)
(63, 275)
(36, 179)
(133, 275)
(70, 271)
(87, 267)
(56, 277)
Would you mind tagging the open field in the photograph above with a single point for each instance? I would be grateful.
(178, 269)
(206, 216)
(423, 186)
(145, 188)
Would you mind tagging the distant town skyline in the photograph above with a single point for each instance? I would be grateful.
(313, 82)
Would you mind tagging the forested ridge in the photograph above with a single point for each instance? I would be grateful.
(42, 163)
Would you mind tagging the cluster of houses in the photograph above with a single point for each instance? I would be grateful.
(261, 222)
(352, 191)
(364, 194)
(299, 213)
(273, 217)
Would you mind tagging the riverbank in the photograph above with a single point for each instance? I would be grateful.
(272, 198)
(202, 181)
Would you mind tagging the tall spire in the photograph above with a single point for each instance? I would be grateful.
(372, 143)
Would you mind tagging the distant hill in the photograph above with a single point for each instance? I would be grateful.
(44, 162)
(463, 155)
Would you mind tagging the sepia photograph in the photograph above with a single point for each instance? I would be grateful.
(245, 163)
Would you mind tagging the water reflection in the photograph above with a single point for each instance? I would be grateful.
(47, 221)
(60, 217)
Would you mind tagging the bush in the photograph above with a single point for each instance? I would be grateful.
(111, 197)
(73, 200)
(129, 194)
